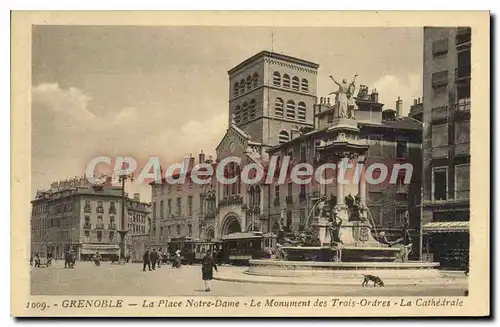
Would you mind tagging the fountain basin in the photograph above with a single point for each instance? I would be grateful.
(346, 253)
(348, 273)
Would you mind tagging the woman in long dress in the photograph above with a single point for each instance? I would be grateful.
(344, 98)
(207, 269)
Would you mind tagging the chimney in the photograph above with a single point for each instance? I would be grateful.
(209, 160)
(321, 100)
(137, 197)
(201, 157)
(374, 96)
(399, 107)
(328, 101)
(191, 161)
(415, 102)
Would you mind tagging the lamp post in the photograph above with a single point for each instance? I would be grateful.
(123, 231)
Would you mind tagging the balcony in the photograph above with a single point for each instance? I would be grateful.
(87, 226)
(289, 199)
(112, 226)
(100, 210)
(99, 226)
(87, 209)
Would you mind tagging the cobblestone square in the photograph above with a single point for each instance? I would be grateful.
(130, 280)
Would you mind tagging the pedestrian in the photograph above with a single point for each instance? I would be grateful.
(160, 255)
(37, 261)
(177, 262)
(146, 260)
(154, 259)
(207, 269)
(97, 259)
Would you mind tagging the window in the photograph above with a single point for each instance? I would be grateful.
(178, 227)
(87, 222)
(249, 83)
(99, 236)
(245, 112)
(236, 89)
(237, 114)
(100, 208)
(375, 149)
(112, 208)
(401, 149)
(463, 69)
(179, 205)
(190, 230)
(168, 231)
(255, 80)
(161, 209)
(463, 95)
(190, 205)
(329, 118)
(439, 135)
(462, 131)
(283, 137)
(440, 79)
(252, 109)
(304, 87)
(276, 79)
(277, 192)
(439, 183)
(290, 110)
(278, 107)
(87, 207)
(295, 83)
(286, 81)
(111, 236)
(99, 224)
(242, 86)
(169, 208)
(440, 48)
(301, 114)
(462, 181)
(154, 210)
(463, 35)
(86, 233)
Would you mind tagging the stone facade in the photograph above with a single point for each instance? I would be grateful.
(446, 141)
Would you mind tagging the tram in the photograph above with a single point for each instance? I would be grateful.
(193, 250)
(239, 248)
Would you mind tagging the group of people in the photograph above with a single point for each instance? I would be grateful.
(37, 262)
(153, 259)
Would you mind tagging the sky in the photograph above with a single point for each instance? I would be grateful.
(163, 91)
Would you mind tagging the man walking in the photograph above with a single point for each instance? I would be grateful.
(154, 259)
(146, 261)
(207, 269)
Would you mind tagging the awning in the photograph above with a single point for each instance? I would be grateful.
(446, 227)
(101, 248)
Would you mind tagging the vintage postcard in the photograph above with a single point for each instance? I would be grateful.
(250, 164)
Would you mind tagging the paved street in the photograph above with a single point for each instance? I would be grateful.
(130, 280)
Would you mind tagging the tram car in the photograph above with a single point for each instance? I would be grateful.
(193, 250)
(240, 248)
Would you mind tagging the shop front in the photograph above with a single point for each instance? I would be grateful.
(107, 251)
(447, 242)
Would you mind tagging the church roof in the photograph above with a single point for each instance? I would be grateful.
(276, 56)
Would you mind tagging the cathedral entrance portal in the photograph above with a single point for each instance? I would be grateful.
(230, 224)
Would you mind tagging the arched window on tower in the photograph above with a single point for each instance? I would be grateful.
(286, 81)
(252, 108)
(283, 137)
(236, 89)
(295, 83)
(276, 79)
(250, 196)
(242, 86)
(301, 112)
(237, 114)
(290, 110)
(244, 112)
(257, 195)
(249, 83)
(304, 85)
(278, 107)
(238, 179)
(255, 80)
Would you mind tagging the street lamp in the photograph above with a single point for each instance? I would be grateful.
(123, 231)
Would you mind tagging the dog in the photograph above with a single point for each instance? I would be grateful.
(371, 278)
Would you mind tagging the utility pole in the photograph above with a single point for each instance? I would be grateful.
(123, 231)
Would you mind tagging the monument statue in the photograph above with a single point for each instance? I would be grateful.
(334, 224)
(344, 99)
